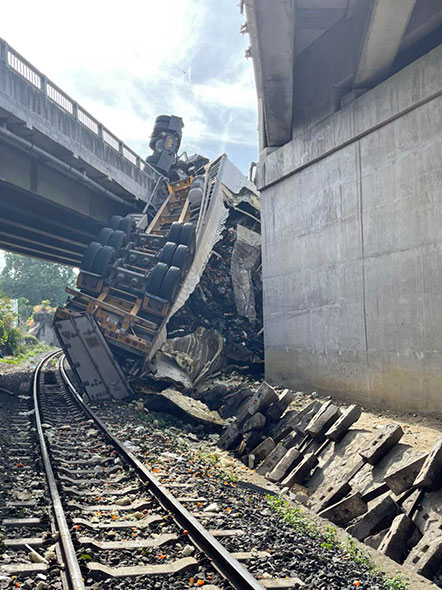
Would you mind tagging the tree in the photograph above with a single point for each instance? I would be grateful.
(6, 319)
(35, 280)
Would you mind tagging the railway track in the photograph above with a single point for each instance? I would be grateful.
(109, 522)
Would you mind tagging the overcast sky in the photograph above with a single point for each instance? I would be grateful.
(127, 62)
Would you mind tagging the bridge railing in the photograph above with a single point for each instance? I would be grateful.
(19, 64)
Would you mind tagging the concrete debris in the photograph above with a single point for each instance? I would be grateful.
(188, 550)
(375, 519)
(376, 497)
(174, 402)
(342, 512)
(397, 540)
(389, 436)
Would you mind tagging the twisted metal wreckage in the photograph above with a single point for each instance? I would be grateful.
(172, 293)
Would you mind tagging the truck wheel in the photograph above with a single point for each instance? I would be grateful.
(170, 284)
(156, 278)
(127, 224)
(115, 220)
(117, 240)
(104, 235)
(174, 232)
(89, 256)
(188, 237)
(181, 257)
(103, 259)
(168, 252)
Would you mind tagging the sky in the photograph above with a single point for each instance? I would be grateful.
(127, 62)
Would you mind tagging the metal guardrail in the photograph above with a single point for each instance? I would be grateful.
(19, 64)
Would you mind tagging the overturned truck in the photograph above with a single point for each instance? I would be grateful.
(190, 259)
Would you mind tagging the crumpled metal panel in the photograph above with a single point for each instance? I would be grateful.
(245, 256)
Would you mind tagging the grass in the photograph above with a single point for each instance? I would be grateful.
(294, 516)
(212, 460)
(27, 354)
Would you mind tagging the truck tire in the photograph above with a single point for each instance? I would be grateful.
(181, 257)
(156, 278)
(188, 237)
(117, 240)
(168, 252)
(115, 220)
(89, 256)
(170, 283)
(103, 259)
(127, 224)
(174, 232)
(104, 235)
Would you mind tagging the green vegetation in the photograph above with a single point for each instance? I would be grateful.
(28, 353)
(37, 288)
(10, 337)
(14, 343)
(35, 280)
(327, 540)
(396, 583)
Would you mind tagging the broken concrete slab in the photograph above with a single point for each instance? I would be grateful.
(275, 411)
(255, 422)
(292, 420)
(272, 459)
(284, 465)
(375, 540)
(346, 510)
(402, 479)
(322, 421)
(395, 543)
(383, 442)
(342, 424)
(333, 493)
(287, 397)
(262, 398)
(430, 474)
(233, 401)
(425, 558)
(250, 441)
(175, 402)
(376, 519)
(301, 472)
(293, 439)
(215, 396)
(230, 438)
(263, 449)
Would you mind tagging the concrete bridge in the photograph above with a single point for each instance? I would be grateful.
(350, 104)
(62, 173)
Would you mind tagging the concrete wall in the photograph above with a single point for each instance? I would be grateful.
(352, 247)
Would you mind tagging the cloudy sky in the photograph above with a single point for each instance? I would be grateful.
(127, 62)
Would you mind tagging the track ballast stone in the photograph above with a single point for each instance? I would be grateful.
(188, 460)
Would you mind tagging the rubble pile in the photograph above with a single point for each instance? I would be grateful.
(383, 492)
(221, 291)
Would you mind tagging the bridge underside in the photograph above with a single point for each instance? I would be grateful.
(62, 174)
(44, 212)
(33, 226)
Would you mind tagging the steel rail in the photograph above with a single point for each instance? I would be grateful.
(70, 559)
(223, 561)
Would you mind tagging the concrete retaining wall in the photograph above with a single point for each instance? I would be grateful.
(352, 248)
